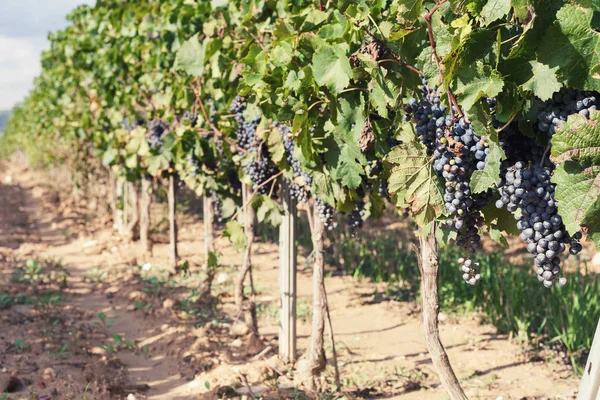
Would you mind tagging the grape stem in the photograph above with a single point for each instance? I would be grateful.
(545, 153)
(256, 191)
(259, 41)
(451, 98)
(397, 58)
(507, 124)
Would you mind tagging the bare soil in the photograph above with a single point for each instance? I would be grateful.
(96, 318)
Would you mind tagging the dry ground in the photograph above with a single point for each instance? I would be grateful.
(94, 324)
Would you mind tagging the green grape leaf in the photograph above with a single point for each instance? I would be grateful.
(346, 164)
(322, 187)
(413, 176)
(578, 139)
(497, 236)
(473, 83)
(331, 68)
(572, 45)
(577, 192)
(235, 232)
(190, 57)
(494, 10)
(385, 90)
(521, 8)
(445, 236)
(543, 82)
(275, 143)
(406, 10)
(109, 156)
(156, 163)
(267, 210)
(228, 208)
(501, 218)
(483, 179)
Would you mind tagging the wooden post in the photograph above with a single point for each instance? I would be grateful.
(133, 222)
(173, 256)
(589, 389)
(145, 215)
(119, 214)
(125, 220)
(209, 216)
(287, 276)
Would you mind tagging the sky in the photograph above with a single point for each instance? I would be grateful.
(24, 27)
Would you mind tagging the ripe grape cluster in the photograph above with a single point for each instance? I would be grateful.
(260, 171)
(195, 164)
(429, 116)
(528, 188)
(554, 112)
(246, 130)
(326, 214)
(258, 165)
(355, 218)
(469, 269)
(297, 191)
(525, 186)
(190, 118)
(457, 152)
(131, 125)
(157, 129)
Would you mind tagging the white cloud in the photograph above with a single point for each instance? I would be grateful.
(24, 27)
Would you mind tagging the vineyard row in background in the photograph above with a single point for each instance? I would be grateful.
(462, 115)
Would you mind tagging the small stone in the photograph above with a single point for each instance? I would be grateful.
(97, 350)
(237, 343)
(135, 295)
(131, 396)
(222, 278)
(168, 304)
(131, 307)
(90, 243)
(239, 329)
(49, 374)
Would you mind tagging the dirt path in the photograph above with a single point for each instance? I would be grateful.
(172, 356)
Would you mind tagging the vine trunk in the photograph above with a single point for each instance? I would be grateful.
(314, 361)
(428, 264)
(172, 198)
(209, 238)
(247, 310)
(146, 201)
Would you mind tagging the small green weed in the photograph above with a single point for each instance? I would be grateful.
(107, 323)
